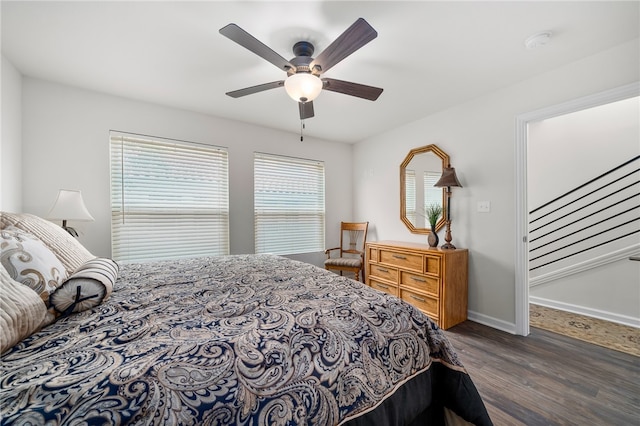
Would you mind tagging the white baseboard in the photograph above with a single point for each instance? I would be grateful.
(590, 312)
(491, 322)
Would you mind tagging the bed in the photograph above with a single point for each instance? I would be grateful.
(241, 339)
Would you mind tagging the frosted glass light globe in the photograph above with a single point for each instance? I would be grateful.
(303, 87)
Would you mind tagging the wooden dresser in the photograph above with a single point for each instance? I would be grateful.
(432, 279)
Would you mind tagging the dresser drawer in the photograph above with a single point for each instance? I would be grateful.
(372, 254)
(423, 283)
(425, 303)
(387, 288)
(433, 265)
(385, 272)
(401, 260)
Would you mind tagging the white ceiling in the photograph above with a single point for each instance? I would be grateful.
(428, 55)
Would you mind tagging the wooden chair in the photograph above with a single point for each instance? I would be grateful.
(351, 257)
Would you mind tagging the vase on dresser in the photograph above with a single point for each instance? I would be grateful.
(432, 238)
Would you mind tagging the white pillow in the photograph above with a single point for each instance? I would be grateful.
(29, 261)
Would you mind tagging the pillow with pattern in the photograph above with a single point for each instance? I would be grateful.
(30, 262)
(88, 286)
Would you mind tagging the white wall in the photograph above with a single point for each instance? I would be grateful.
(479, 137)
(66, 145)
(598, 139)
(11, 143)
(610, 292)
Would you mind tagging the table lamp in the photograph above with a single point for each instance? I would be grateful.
(448, 179)
(69, 206)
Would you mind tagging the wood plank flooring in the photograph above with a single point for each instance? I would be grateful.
(548, 379)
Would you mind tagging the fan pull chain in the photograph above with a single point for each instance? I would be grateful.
(301, 130)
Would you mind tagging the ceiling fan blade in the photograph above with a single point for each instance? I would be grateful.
(255, 89)
(353, 89)
(306, 109)
(246, 40)
(354, 37)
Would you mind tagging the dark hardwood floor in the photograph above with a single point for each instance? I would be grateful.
(548, 379)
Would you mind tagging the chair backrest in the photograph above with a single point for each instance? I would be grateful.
(353, 235)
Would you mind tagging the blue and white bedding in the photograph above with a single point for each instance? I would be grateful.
(242, 340)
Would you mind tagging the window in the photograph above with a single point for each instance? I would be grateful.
(288, 204)
(169, 199)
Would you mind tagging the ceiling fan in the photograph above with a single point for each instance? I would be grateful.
(303, 82)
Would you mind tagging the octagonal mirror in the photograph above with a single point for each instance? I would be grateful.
(419, 171)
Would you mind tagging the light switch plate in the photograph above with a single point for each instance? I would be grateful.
(484, 206)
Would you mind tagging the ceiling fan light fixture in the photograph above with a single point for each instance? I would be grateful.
(303, 87)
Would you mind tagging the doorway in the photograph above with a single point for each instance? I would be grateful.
(522, 207)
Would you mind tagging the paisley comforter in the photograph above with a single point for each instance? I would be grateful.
(243, 340)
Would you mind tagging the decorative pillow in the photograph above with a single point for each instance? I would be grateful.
(88, 286)
(71, 253)
(30, 262)
(21, 311)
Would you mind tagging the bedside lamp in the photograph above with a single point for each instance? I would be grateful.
(69, 206)
(448, 179)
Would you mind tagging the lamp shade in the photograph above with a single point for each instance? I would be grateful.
(303, 87)
(70, 206)
(448, 178)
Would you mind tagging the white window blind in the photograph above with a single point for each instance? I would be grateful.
(289, 209)
(169, 199)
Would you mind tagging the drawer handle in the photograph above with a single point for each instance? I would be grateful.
(419, 299)
(383, 270)
(420, 280)
(397, 256)
(383, 286)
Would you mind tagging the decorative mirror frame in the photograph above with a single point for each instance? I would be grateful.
(403, 204)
